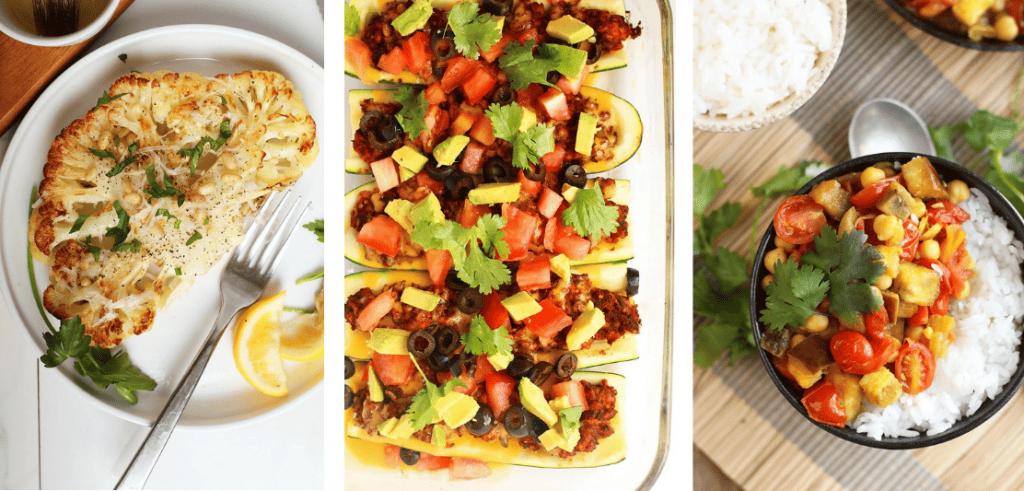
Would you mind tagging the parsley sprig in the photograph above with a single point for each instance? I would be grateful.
(474, 32)
(156, 191)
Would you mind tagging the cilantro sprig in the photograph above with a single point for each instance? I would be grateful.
(413, 115)
(852, 266)
(474, 32)
(589, 215)
(482, 340)
(473, 249)
(352, 20)
(317, 227)
(423, 410)
(527, 146)
(523, 65)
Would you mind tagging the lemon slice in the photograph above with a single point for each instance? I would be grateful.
(257, 346)
(302, 337)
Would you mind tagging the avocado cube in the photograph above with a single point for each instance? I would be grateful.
(456, 409)
(374, 385)
(585, 132)
(428, 209)
(569, 29)
(420, 299)
(551, 439)
(521, 305)
(409, 158)
(584, 327)
(389, 341)
(494, 193)
(532, 398)
(446, 152)
(399, 210)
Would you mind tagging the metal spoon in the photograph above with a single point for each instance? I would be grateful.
(887, 125)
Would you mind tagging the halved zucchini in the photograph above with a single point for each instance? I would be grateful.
(601, 253)
(624, 118)
(609, 450)
(606, 276)
(608, 61)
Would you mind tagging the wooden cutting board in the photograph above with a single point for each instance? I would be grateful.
(25, 70)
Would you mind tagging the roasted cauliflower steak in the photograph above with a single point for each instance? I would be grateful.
(153, 186)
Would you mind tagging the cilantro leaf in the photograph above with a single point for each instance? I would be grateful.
(505, 120)
(317, 227)
(413, 114)
(193, 154)
(728, 268)
(794, 294)
(589, 215)
(448, 235)
(123, 57)
(488, 231)
(522, 66)
(120, 231)
(422, 411)
(852, 267)
(984, 130)
(482, 340)
(714, 224)
(473, 32)
(352, 20)
(706, 185)
(786, 181)
(483, 273)
(942, 137)
(532, 144)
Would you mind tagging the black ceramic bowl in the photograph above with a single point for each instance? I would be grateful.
(949, 171)
(949, 34)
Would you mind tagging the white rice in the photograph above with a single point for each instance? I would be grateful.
(750, 55)
(983, 356)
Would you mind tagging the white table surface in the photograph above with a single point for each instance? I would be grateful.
(53, 437)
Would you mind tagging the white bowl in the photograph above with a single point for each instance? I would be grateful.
(13, 10)
(824, 64)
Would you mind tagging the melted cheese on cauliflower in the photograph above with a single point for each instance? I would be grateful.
(158, 213)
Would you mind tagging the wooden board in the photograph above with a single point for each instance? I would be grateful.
(25, 70)
(752, 437)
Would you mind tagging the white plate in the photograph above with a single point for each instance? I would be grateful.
(165, 352)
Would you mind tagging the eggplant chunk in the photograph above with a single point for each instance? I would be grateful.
(918, 284)
(776, 341)
(896, 201)
(922, 179)
(832, 197)
(891, 258)
(849, 387)
(813, 352)
(848, 223)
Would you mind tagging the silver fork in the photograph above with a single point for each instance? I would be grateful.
(247, 273)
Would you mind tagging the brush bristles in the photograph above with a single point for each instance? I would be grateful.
(55, 17)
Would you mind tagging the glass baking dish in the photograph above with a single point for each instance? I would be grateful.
(645, 411)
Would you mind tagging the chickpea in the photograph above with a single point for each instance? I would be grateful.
(816, 323)
(930, 249)
(884, 282)
(796, 339)
(1006, 28)
(958, 191)
(888, 228)
(782, 244)
(772, 257)
(767, 280)
(871, 175)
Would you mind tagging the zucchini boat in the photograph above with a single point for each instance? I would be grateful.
(609, 277)
(607, 18)
(523, 451)
(363, 202)
(616, 137)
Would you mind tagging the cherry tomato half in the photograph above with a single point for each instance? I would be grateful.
(915, 367)
(799, 219)
(824, 404)
(855, 354)
(947, 213)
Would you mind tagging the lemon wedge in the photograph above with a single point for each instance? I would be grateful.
(257, 346)
(302, 337)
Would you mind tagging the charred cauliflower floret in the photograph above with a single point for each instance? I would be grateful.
(151, 187)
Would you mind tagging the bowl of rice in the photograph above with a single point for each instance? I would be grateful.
(754, 63)
(982, 368)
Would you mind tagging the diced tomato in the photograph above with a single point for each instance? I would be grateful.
(549, 202)
(434, 94)
(528, 97)
(482, 130)
(572, 389)
(392, 456)
(417, 51)
(470, 213)
(941, 305)
(553, 160)
(959, 271)
(463, 122)
(443, 377)
(499, 391)
(423, 180)
(947, 214)
(459, 70)
(573, 246)
(478, 85)
(572, 86)
(528, 186)
(385, 172)
(483, 369)
(359, 55)
(472, 158)
(382, 234)
(439, 262)
(824, 404)
(549, 321)
(429, 462)
(394, 62)
(465, 469)
(555, 105)
(436, 120)
(534, 274)
(494, 313)
(496, 49)
(519, 229)
(392, 369)
(529, 35)
(375, 311)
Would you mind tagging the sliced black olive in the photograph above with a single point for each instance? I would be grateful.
(553, 77)
(370, 121)
(439, 362)
(535, 172)
(350, 368)
(593, 50)
(503, 94)
(437, 172)
(470, 301)
(516, 421)
(443, 47)
(499, 8)
(382, 131)
(455, 368)
(519, 367)
(421, 344)
(554, 40)
(447, 340)
(348, 396)
(482, 422)
(453, 282)
(438, 68)
(410, 457)
(497, 170)
(470, 362)
(459, 184)
(540, 372)
(632, 281)
(536, 427)
(566, 365)
(392, 393)
(574, 175)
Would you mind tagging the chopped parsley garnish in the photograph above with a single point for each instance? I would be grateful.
(92, 249)
(170, 217)
(193, 154)
(223, 100)
(123, 57)
(413, 115)
(352, 20)
(523, 67)
(120, 231)
(177, 271)
(474, 32)
(852, 267)
(155, 190)
(527, 146)
(133, 148)
(482, 340)
(589, 215)
(317, 227)
(423, 410)
(78, 223)
(133, 246)
(196, 236)
(105, 98)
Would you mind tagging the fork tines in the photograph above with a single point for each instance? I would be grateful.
(270, 231)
